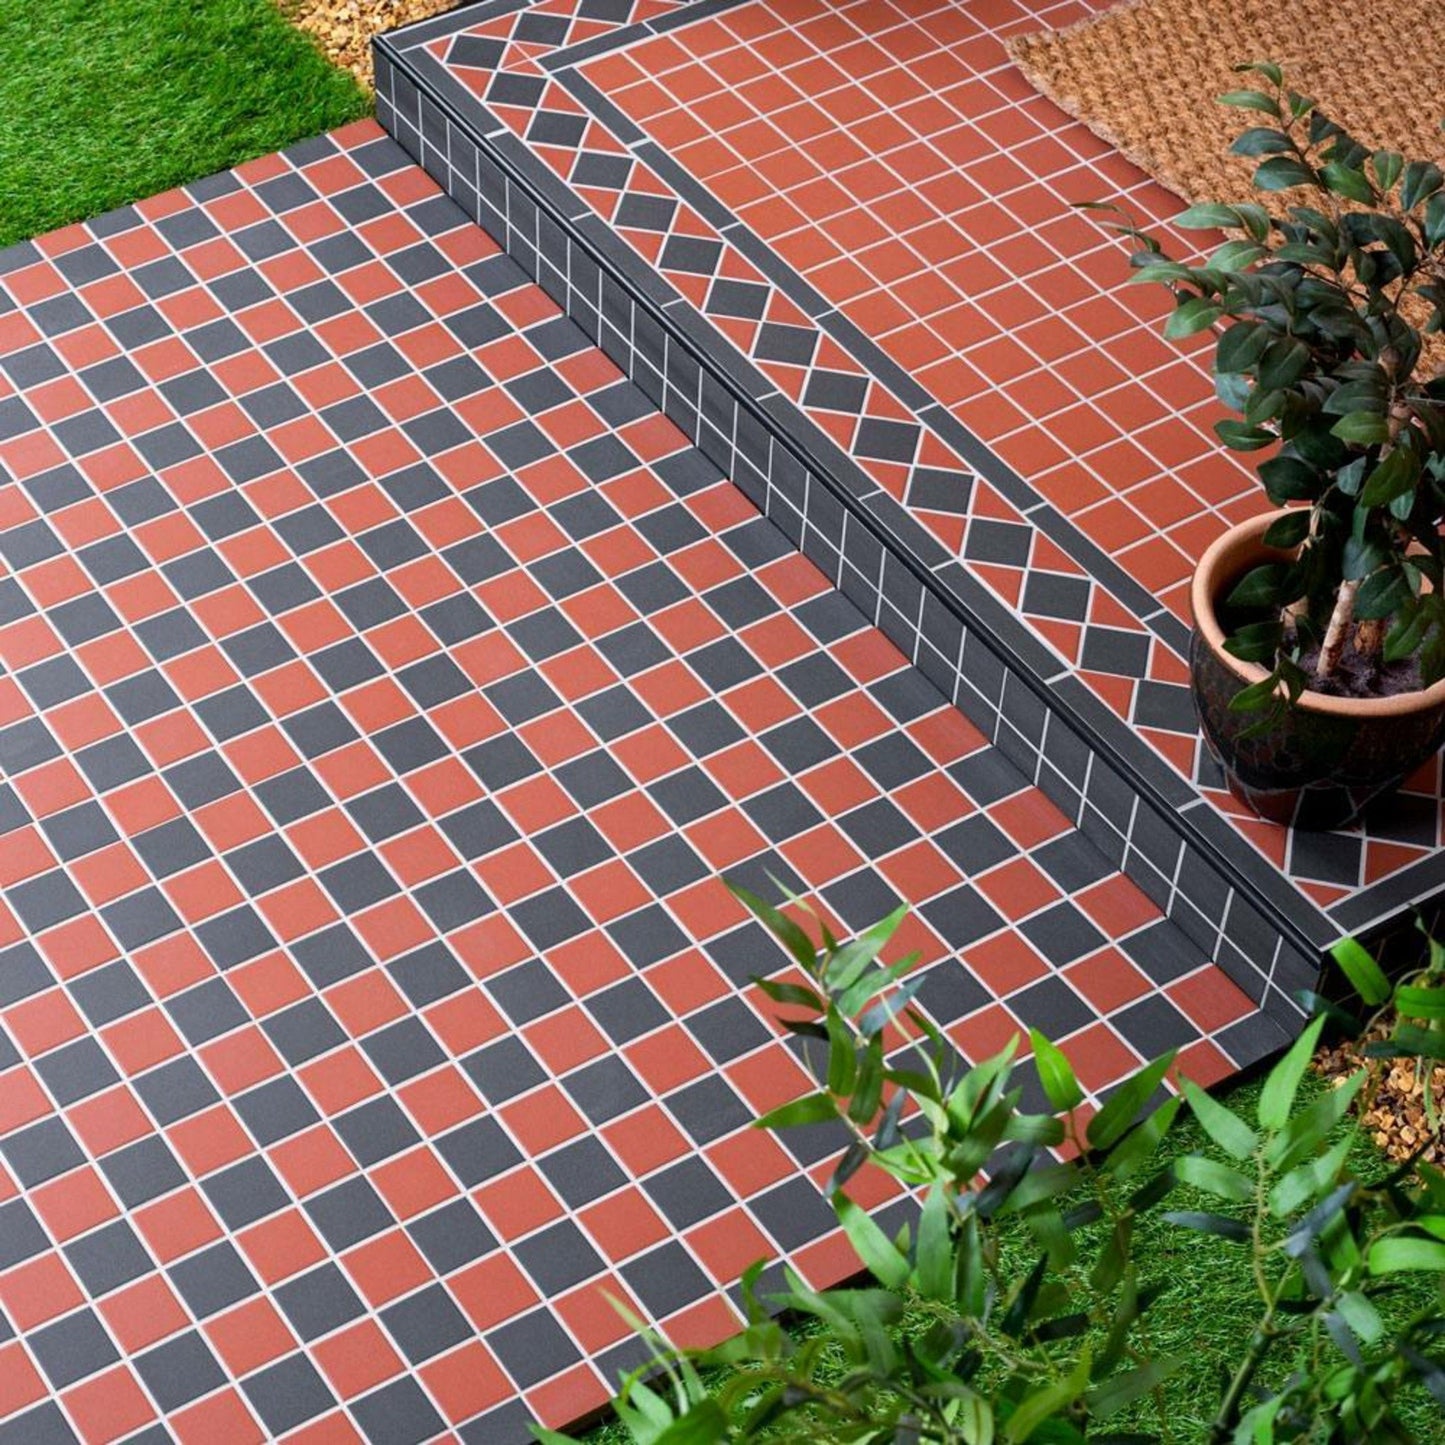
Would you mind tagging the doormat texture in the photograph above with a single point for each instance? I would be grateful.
(1144, 76)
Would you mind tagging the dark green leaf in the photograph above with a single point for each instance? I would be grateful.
(1250, 100)
(1283, 364)
(1363, 428)
(1382, 594)
(1241, 346)
(1202, 1222)
(789, 993)
(1289, 479)
(1287, 531)
(1259, 587)
(1387, 166)
(1193, 314)
(880, 1256)
(1419, 180)
(1241, 438)
(1279, 173)
(1257, 695)
(1262, 140)
(1208, 215)
(780, 926)
(704, 1424)
(1396, 474)
(1347, 182)
(1125, 1388)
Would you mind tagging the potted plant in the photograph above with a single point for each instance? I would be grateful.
(1318, 661)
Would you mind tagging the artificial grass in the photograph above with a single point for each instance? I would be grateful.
(1210, 1305)
(108, 101)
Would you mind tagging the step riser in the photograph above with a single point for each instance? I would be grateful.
(925, 603)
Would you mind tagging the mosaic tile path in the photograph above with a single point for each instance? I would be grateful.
(863, 212)
(385, 683)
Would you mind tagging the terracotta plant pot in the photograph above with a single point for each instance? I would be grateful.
(1320, 762)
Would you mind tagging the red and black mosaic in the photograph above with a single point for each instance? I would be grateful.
(869, 208)
(386, 684)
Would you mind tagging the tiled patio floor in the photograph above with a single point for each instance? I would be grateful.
(385, 685)
(863, 213)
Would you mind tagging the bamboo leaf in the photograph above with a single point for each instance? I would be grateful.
(1283, 1081)
(879, 1255)
(1056, 1074)
(1222, 1124)
(1401, 1254)
(1123, 1106)
(810, 1109)
(1364, 974)
(1214, 1178)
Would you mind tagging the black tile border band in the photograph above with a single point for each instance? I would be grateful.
(1266, 935)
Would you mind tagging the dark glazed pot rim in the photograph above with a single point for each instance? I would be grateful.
(1241, 547)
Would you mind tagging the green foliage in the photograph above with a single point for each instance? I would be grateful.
(1324, 311)
(107, 101)
(1030, 1303)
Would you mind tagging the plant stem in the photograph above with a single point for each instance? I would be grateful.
(1232, 1403)
(1334, 644)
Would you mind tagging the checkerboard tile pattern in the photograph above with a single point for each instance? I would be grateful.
(385, 684)
(863, 210)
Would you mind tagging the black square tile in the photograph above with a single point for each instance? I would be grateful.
(604, 1089)
(1062, 933)
(375, 1131)
(425, 1323)
(558, 1257)
(533, 1348)
(213, 1279)
(275, 1110)
(142, 1171)
(287, 1394)
(666, 1279)
(687, 1193)
(245, 1192)
(42, 1151)
(708, 1109)
(348, 1213)
(175, 1090)
(303, 1031)
(206, 1011)
(402, 1050)
(549, 918)
(179, 1371)
(452, 1236)
(319, 1301)
(72, 1348)
(502, 1070)
(1051, 1007)
(478, 1151)
(582, 1171)
(962, 916)
(398, 1414)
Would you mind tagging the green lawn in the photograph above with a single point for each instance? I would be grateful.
(108, 101)
(1210, 1303)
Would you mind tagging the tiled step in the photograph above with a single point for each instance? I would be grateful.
(834, 243)
(386, 684)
